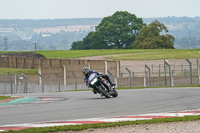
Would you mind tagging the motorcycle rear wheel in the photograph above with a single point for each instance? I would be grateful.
(115, 93)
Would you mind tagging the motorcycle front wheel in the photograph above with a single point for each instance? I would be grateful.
(103, 92)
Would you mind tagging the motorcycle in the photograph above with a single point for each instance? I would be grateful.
(102, 86)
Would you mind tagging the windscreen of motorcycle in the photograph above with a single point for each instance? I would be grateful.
(91, 76)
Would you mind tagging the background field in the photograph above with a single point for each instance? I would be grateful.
(128, 54)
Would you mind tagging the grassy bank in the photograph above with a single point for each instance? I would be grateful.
(133, 54)
(161, 54)
(136, 54)
(4, 97)
(18, 71)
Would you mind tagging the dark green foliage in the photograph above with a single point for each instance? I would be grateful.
(152, 37)
(114, 32)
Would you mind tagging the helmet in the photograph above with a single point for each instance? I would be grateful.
(85, 70)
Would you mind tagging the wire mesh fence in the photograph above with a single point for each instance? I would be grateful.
(161, 75)
(16, 84)
(152, 76)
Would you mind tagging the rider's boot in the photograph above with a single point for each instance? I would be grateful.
(111, 83)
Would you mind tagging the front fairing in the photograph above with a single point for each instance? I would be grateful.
(93, 80)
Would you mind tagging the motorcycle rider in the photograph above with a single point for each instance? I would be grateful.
(87, 72)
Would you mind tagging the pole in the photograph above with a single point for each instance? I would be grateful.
(35, 46)
(65, 75)
(190, 65)
(170, 78)
(106, 67)
(26, 83)
(42, 82)
(16, 84)
(149, 72)
(11, 79)
(75, 79)
(58, 77)
(129, 76)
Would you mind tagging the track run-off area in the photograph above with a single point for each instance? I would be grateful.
(83, 107)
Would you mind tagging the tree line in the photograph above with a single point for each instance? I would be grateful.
(124, 30)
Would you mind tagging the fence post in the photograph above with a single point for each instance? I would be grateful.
(145, 82)
(16, 84)
(75, 80)
(149, 72)
(11, 79)
(89, 65)
(65, 76)
(58, 77)
(129, 76)
(166, 73)
(170, 78)
(42, 82)
(199, 73)
(190, 64)
(106, 67)
(26, 83)
(118, 69)
(40, 73)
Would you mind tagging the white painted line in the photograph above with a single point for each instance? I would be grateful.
(123, 119)
(53, 124)
(103, 119)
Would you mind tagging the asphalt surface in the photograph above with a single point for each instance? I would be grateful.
(84, 104)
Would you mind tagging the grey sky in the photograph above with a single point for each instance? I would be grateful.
(53, 9)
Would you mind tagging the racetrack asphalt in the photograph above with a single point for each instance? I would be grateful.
(84, 105)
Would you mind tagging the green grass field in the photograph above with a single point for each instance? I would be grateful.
(135, 54)
(160, 54)
(123, 54)
(18, 71)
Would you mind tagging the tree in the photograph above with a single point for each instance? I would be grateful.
(150, 37)
(117, 31)
(77, 45)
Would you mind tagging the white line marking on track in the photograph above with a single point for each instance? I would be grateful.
(99, 120)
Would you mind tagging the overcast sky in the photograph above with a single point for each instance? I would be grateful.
(54, 9)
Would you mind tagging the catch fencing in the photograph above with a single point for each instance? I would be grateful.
(16, 84)
(151, 75)
(161, 75)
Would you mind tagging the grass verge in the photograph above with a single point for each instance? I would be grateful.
(132, 54)
(158, 54)
(105, 125)
(18, 71)
(4, 97)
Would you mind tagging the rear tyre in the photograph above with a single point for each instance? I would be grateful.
(115, 93)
